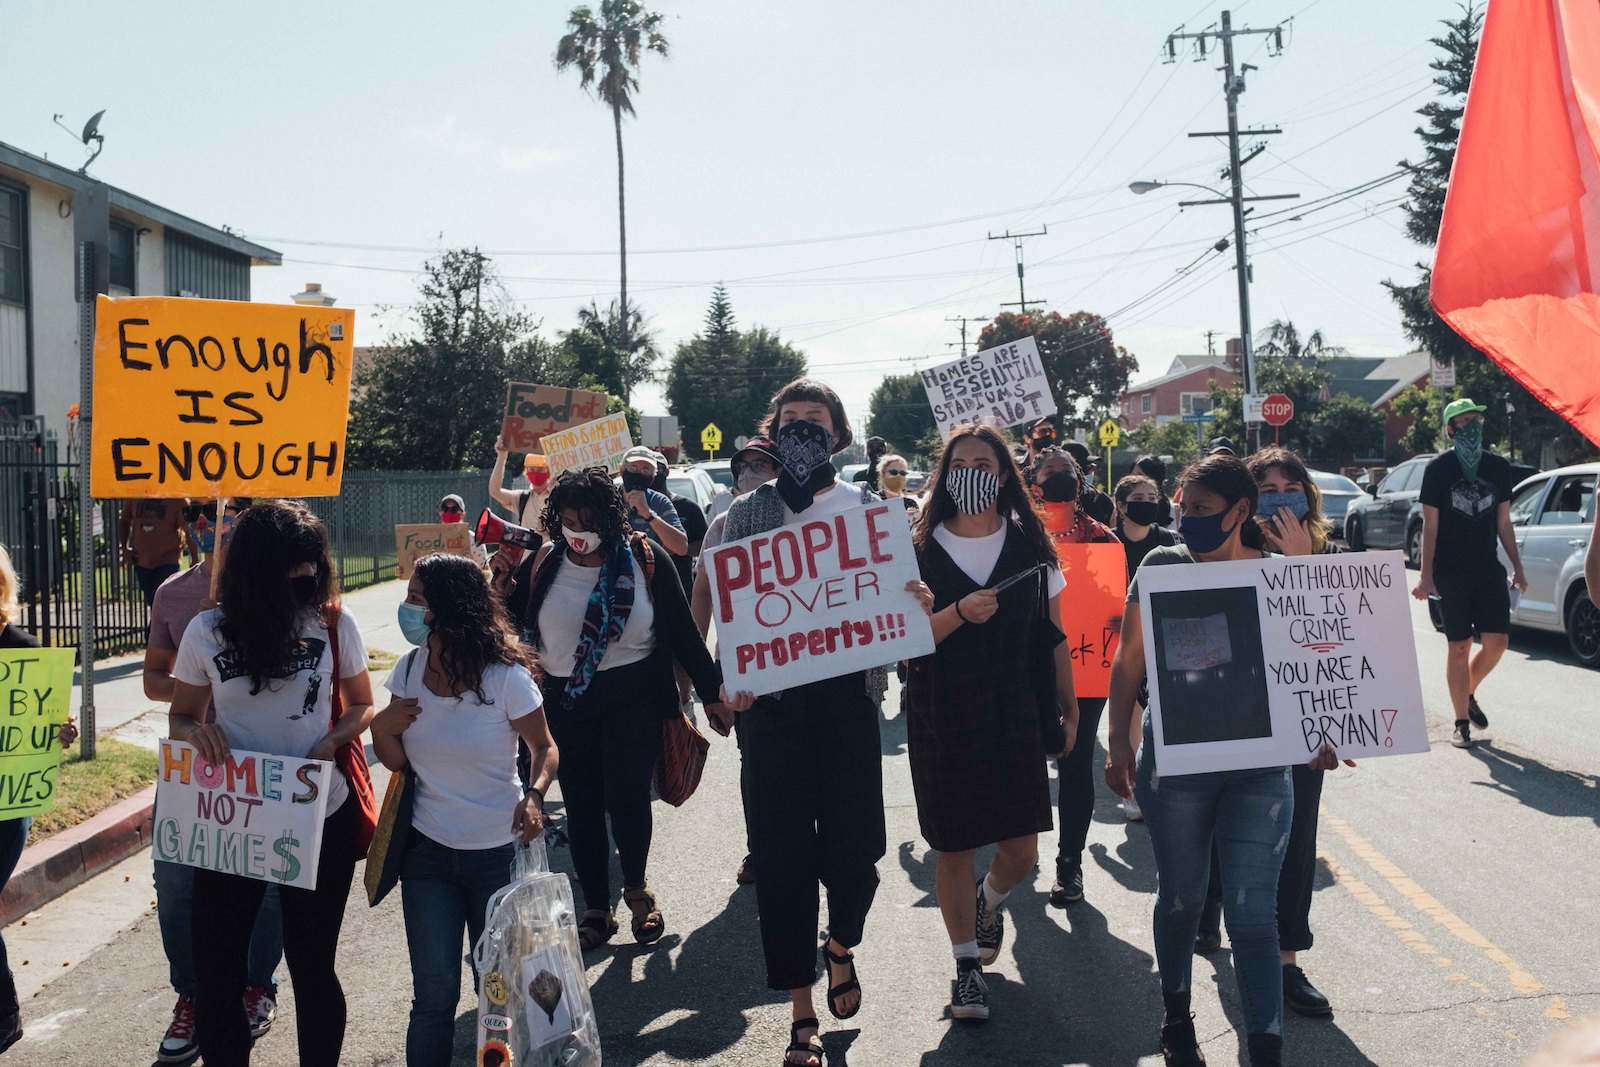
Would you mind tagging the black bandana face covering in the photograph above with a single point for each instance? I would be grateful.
(804, 456)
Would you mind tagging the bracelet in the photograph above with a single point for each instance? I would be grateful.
(536, 791)
(960, 616)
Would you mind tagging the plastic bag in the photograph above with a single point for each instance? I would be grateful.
(534, 1008)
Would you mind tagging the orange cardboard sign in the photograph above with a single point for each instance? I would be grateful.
(412, 541)
(532, 411)
(209, 398)
(1091, 611)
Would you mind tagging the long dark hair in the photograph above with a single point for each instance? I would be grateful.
(1228, 477)
(473, 629)
(260, 619)
(591, 490)
(1294, 470)
(1015, 500)
(804, 389)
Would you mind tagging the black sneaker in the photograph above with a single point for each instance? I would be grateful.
(1069, 883)
(1475, 713)
(1300, 996)
(1209, 937)
(746, 875)
(991, 931)
(969, 993)
(1461, 736)
(1179, 1048)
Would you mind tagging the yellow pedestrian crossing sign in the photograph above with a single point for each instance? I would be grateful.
(711, 438)
(1110, 434)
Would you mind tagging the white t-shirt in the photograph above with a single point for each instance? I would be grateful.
(842, 497)
(291, 713)
(976, 556)
(464, 753)
(567, 601)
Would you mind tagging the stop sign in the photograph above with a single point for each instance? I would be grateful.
(1277, 409)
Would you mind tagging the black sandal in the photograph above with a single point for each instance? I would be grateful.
(595, 929)
(811, 1047)
(850, 985)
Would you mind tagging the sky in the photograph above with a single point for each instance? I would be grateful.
(838, 164)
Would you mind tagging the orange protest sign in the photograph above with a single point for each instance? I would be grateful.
(412, 541)
(1091, 611)
(219, 398)
(532, 411)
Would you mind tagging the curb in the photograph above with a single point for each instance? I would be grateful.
(70, 858)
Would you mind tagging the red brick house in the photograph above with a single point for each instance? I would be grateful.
(1183, 389)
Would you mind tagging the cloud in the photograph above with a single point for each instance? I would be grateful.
(474, 148)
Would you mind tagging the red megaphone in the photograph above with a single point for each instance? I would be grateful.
(513, 539)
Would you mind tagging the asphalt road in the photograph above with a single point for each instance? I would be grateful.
(1453, 917)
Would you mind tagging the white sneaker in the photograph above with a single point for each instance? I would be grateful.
(1130, 810)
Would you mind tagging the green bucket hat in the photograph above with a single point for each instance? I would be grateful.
(1460, 407)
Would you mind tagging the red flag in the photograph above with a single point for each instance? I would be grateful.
(1519, 248)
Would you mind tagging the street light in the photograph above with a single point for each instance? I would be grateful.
(1146, 187)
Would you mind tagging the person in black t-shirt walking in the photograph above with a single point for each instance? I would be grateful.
(1466, 504)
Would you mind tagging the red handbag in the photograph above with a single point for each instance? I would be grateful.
(351, 757)
(682, 760)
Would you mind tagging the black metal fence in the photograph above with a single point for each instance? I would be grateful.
(39, 524)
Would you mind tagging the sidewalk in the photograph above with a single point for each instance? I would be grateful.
(122, 711)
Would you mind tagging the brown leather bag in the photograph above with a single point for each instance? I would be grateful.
(682, 760)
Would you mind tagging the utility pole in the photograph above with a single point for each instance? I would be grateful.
(963, 320)
(1016, 243)
(1233, 87)
(1211, 342)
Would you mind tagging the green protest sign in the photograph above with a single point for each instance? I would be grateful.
(35, 700)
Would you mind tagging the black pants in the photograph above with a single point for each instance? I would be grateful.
(1298, 877)
(1076, 775)
(813, 790)
(609, 742)
(224, 917)
(150, 579)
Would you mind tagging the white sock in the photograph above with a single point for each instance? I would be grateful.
(992, 897)
(967, 950)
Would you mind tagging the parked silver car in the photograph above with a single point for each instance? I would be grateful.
(1337, 493)
(1553, 515)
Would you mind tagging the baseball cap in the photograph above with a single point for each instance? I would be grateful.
(638, 452)
(758, 446)
(1460, 407)
(1078, 451)
(1221, 444)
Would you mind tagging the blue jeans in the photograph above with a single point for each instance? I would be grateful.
(174, 908)
(1248, 813)
(443, 891)
(13, 835)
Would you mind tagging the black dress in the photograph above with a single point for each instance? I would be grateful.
(978, 762)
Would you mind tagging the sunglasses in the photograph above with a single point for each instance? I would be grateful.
(451, 507)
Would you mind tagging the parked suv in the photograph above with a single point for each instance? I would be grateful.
(1390, 515)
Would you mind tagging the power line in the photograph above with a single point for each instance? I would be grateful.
(1016, 240)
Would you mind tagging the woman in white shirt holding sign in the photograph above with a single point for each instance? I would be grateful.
(267, 660)
(461, 700)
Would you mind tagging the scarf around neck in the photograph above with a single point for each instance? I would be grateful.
(607, 613)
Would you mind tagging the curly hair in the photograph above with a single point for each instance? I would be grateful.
(1129, 483)
(588, 491)
(1015, 500)
(1276, 457)
(473, 628)
(260, 619)
(803, 390)
(1226, 475)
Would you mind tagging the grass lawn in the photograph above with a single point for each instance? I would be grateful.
(380, 659)
(83, 789)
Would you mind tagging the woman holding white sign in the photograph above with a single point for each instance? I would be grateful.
(462, 698)
(986, 710)
(1248, 813)
(267, 658)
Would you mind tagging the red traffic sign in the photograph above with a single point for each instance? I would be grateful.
(1277, 409)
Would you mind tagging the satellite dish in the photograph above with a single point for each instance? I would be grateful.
(91, 129)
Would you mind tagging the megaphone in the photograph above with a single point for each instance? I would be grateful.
(513, 539)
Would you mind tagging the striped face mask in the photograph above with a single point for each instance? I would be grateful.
(972, 488)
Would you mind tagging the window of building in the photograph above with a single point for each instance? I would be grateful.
(122, 245)
(1194, 403)
(1144, 404)
(13, 260)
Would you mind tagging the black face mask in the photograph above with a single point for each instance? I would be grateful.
(303, 590)
(803, 454)
(1060, 488)
(634, 481)
(1146, 512)
(1044, 441)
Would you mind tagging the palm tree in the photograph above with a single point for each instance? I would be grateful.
(606, 51)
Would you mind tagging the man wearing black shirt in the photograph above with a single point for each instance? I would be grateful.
(1466, 506)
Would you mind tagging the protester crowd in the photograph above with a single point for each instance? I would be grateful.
(559, 662)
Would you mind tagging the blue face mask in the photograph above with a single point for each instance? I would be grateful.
(1268, 504)
(1204, 534)
(411, 625)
